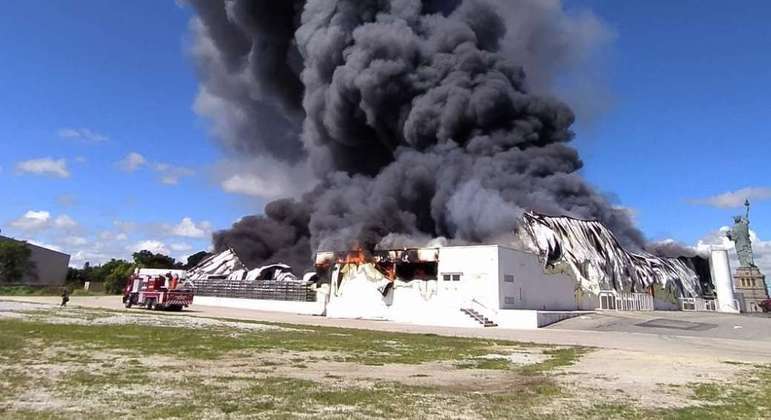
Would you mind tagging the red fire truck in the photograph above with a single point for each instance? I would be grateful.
(158, 289)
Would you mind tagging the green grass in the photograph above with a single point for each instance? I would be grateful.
(103, 372)
(46, 291)
(121, 386)
(29, 291)
(558, 358)
(361, 346)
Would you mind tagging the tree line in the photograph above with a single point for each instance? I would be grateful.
(116, 272)
(15, 264)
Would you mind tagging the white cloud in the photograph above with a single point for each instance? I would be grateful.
(65, 222)
(132, 162)
(91, 256)
(189, 229)
(83, 134)
(44, 166)
(180, 247)
(250, 184)
(75, 240)
(46, 245)
(124, 226)
(112, 236)
(171, 174)
(32, 220)
(154, 246)
(264, 177)
(95, 250)
(736, 198)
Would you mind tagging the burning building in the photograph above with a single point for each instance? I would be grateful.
(551, 268)
(465, 285)
(413, 121)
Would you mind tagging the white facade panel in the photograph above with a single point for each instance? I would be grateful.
(524, 285)
(720, 270)
(477, 267)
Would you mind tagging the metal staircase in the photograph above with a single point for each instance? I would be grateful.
(486, 322)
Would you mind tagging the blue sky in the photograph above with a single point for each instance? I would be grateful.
(86, 83)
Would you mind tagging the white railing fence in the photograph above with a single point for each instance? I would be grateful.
(625, 301)
(698, 304)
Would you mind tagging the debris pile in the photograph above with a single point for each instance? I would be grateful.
(225, 275)
(596, 259)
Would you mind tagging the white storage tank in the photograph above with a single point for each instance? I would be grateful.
(720, 269)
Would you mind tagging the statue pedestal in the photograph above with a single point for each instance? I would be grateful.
(750, 286)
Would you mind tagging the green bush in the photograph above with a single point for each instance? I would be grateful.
(14, 261)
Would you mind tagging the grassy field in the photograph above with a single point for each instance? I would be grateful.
(101, 364)
(45, 291)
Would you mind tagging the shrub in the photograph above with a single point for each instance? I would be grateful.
(14, 261)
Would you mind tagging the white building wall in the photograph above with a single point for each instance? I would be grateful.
(481, 286)
(531, 288)
(417, 301)
(478, 267)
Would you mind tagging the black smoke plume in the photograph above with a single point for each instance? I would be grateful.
(411, 114)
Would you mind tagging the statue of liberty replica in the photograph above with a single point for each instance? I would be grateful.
(749, 282)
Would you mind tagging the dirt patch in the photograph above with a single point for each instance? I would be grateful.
(325, 368)
(650, 380)
(69, 316)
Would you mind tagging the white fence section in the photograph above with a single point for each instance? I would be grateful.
(698, 304)
(625, 301)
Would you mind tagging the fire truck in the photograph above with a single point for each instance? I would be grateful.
(158, 289)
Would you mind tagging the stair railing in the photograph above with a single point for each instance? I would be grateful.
(482, 309)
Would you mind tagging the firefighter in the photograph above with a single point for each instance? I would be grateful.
(65, 297)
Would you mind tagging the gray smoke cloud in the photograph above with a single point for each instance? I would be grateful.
(417, 119)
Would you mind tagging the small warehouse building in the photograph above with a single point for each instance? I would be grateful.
(450, 286)
(50, 266)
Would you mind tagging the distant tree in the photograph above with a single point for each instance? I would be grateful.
(87, 273)
(114, 274)
(147, 259)
(196, 258)
(74, 276)
(14, 261)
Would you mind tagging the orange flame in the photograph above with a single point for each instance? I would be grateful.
(355, 256)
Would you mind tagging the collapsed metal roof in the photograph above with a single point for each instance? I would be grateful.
(597, 260)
